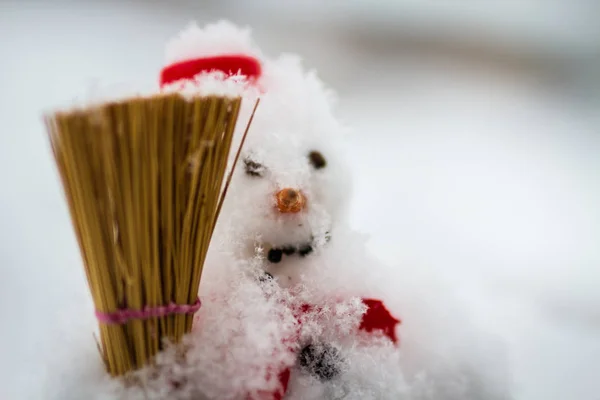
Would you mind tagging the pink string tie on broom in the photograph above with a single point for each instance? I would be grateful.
(122, 316)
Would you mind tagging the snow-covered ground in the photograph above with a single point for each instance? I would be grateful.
(492, 181)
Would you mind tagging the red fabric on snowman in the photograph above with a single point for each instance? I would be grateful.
(228, 64)
(377, 318)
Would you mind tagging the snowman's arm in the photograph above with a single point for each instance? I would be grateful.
(378, 318)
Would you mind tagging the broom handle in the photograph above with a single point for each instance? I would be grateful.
(222, 199)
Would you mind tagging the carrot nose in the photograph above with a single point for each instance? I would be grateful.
(290, 200)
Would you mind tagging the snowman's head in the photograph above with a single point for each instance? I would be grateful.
(291, 185)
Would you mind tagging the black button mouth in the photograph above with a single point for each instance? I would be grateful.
(305, 250)
(289, 250)
(275, 254)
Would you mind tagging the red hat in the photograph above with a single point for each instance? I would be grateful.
(218, 47)
(228, 64)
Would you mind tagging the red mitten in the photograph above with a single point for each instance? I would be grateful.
(378, 317)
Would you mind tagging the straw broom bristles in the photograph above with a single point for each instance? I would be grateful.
(142, 178)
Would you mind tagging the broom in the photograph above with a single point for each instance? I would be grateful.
(143, 181)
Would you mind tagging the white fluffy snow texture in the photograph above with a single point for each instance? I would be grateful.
(212, 83)
(205, 84)
(491, 182)
(219, 38)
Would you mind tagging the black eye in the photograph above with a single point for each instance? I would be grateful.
(253, 168)
(317, 160)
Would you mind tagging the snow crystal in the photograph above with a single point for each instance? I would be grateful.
(205, 84)
(212, 84)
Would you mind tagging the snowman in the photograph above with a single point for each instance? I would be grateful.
(294, 306)
(283, 223)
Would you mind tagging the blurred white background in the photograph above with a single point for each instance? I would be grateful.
(477, 148)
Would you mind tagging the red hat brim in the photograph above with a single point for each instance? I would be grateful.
(228, 64)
